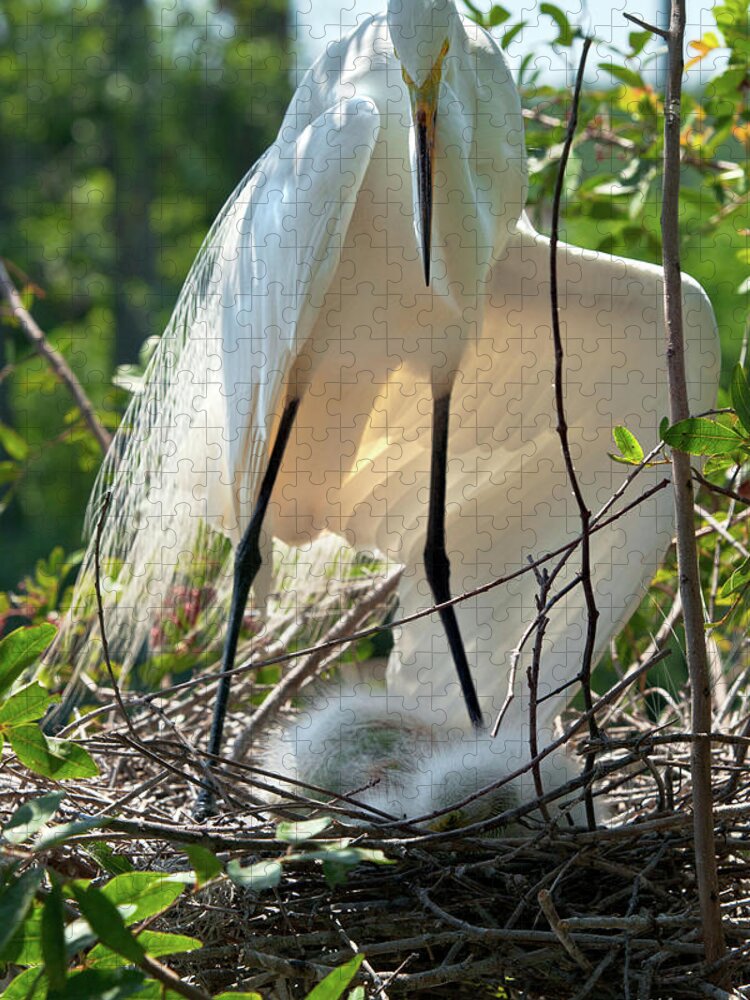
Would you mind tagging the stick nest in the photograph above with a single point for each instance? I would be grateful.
(560, 913)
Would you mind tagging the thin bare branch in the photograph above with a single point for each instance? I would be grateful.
(54, 359)
(687, 557)
(592, 612)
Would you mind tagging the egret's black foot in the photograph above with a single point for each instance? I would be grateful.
(205, 805)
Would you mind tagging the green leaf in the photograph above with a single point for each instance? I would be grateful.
(101, 984)
(565, 33)
(338, 859)
(718, 465)
(139, 895)
(53, 939)
(740, 395)
(15, 902)
(156, 943)
(358, 993)
(112, 862)
(629, 446)
(13, 443)
(9, 473)
(26, 705)
(296, 833)
(511, 33)
(334, 984)
(20, 649)
(738, 580)
(497, 16)
(238, 996)
(205, 863)
(638, 41)
(701, 436)
(105, 921)
(29, 818)
(54, 835)
(153, 990)
(263, 875)
(627, 76)
(51, 757)
(28, 985)
(25, 945)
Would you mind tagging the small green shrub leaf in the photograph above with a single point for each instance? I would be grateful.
(53, 939)
(700, 436)
(630, 448)
(740, 395)
(296, 833)
(263, 875)
(57, 834)
(51, 757)
(21, 649)
(156, 943)
(29, 818)
(26, 705)
(139, 895)
(13, 443)
(627, 76)
(15, 903)
(334, 984)
(105, 921)
(28, 985)
(238, 996)
(205, 863)
(101, 984)
(739, 579)
(112, 862)
(565, 34)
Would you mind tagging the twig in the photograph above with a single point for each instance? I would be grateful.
(170, 979)
(606, 699)
(596, 975)
(533, 682)
(592, 612)
(723, 491)
(687, 559)
(540, 622)
(380, 985)
(607, 137)
(54, 359)
(100, 610)
(210, 679)
(661, 32)
(307, 667)
(544, 898)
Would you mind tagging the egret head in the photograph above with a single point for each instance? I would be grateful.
(421, 32)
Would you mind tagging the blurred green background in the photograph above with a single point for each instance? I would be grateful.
(125, 125)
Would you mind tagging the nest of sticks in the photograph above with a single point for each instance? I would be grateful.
(559, 913)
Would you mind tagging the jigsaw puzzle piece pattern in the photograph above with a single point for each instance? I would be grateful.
(509, 499)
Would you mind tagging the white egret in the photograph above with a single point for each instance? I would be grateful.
(508, 500)
(367, 280)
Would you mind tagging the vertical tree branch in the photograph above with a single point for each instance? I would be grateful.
(687, 558)
(592, 612)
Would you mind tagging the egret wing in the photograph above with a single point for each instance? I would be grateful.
(508, 497)
(192, 447)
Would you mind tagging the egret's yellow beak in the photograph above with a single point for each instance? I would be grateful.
(424, 107)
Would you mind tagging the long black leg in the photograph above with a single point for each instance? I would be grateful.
(436, 561)
(247, 561)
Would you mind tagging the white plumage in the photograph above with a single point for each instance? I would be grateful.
(311, 286)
